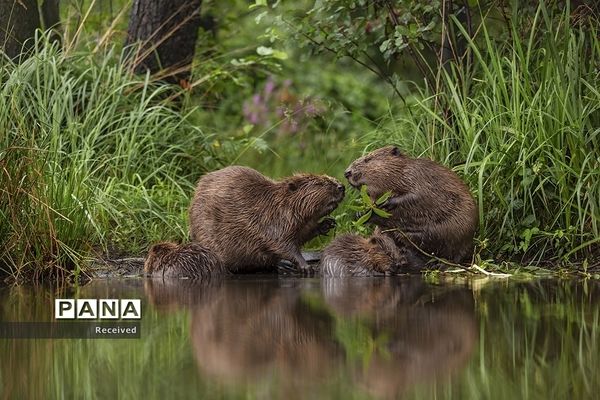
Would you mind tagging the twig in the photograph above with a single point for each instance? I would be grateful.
(474, 268)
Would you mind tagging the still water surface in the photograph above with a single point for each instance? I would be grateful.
(296, 338)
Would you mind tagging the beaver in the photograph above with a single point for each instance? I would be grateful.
(190, 260)
(431, 207)
(354, 255)
(251, 221)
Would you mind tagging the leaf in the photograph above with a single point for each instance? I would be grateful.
(258, 3)
(264, 51)
(384, 45)
(365, 196)
(280, 55)
(383, 198)
(259, 17)
(356, 208)
(381, 213)
(268, 51)
(361, 221)
(259, 144)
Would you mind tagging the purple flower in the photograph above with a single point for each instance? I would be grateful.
(269, 87)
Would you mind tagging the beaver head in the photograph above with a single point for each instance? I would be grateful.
(377, 170)
(383, 254)
(313, 195)
(157, 253)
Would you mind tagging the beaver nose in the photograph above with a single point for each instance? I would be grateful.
(348, 173)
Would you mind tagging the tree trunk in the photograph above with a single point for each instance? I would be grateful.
(50, 13)
(18, 21)
(166, 31)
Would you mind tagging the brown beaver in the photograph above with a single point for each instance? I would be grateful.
(251, 221)
(430, 205)
(354, 255)
(190, 260)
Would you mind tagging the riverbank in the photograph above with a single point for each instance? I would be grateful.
(95, 160)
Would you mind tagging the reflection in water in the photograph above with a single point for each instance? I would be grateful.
(426, 335)
(247, 333)
(269, 337)
(384, 334)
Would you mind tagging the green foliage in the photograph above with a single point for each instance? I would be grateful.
(367, 207)
(523, 132)
(382, 35)
(93, 158)
(289, 135)
(90, 157)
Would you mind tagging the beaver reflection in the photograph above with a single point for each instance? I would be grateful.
(249, 331)
(307, 338)
(429, 332)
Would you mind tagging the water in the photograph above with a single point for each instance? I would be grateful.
(294, 338)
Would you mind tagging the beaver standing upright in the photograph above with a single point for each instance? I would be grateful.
(353, 255)
(190, 260)
(251, 221)
(431, 206)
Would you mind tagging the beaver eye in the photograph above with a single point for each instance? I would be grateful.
(368, 159)
(396, 151)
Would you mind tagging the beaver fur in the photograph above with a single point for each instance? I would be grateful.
(251, 221)
(190, 260)
(354, 255)
(431, 207)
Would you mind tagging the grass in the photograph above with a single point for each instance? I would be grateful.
(90, 157)
(524, 131)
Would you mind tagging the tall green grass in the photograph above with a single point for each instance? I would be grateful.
(91, 157)
(523, 129)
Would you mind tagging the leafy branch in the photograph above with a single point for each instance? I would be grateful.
(367, 207)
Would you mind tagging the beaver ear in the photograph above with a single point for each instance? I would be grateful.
(396, 151)
(292, 186)
(372, 240)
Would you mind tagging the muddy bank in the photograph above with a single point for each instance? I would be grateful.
(129, 267)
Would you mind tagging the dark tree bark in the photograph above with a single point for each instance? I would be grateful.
(50, 13)
(51, 18)
(166, 31)
(18, 21)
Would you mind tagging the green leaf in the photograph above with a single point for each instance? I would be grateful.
(259, 17)
(356, 208)
(258, 3)
(384, 45)
(280, 55)
(264, 51)
(259, 144)
(361, 221)
(381, 213)
(364, 195)
(383, 198)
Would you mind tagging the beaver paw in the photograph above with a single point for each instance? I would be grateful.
(325, 226)
(389, 204)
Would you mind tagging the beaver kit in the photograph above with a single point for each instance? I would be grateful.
(353, 255)
(191, 260)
